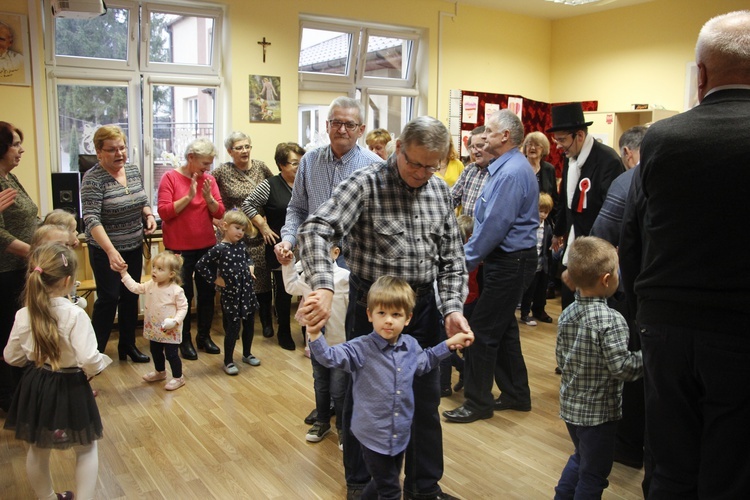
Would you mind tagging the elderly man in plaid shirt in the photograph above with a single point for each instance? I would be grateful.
(468, 187)
(397, 220)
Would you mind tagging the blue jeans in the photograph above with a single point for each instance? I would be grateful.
(585, 474)
(113, 297)
(330, 385)
(697, 411)
(423, 466)
(496, 351)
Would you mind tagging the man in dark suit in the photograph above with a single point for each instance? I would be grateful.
(681, 223)
(590, 167)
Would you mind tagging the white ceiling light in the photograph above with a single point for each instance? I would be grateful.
(573, 2)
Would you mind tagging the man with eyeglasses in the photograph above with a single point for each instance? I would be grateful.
(324, 168)
(397, 219)
(465, 191)
(590, 167)
(506, 218)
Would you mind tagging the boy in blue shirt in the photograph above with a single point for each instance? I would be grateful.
(383, 365)
(592, 352)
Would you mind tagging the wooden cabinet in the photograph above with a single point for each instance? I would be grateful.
(608, 126)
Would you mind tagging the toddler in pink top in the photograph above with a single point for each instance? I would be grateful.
(165, 308)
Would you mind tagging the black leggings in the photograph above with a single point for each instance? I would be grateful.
(158, 352)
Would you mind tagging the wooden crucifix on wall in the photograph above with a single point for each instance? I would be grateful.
(265, 44)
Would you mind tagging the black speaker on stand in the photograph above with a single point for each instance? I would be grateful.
(66, 194)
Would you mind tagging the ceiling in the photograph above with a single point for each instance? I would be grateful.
(548, 10)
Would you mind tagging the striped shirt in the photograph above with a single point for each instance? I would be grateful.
(389, 229)
(468, 187)
(119, 209)
(318, 173)
(592, 352)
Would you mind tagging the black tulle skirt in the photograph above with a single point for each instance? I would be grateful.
(54, 409)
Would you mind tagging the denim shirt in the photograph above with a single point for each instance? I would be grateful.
(382, 378)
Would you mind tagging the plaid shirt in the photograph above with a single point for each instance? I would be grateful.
(592, 352)
(468, 187)
(391, 229)
(318, 173)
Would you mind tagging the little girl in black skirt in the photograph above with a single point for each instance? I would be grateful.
(53, 407)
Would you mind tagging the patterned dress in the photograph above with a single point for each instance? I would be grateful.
(235, 185)
(232, 262)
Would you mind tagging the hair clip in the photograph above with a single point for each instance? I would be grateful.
(64, 259)
(38, 269)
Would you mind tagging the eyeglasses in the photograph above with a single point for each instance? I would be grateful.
(293, 163)
(561, 140)
(350, 126)
(478, 147)
(412, 164)
(242, 148)
(121, 150)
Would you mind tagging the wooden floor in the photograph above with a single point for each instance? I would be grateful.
(244, 437)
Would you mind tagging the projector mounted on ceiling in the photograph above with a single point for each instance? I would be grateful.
(78, 9)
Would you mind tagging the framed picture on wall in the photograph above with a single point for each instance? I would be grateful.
(265, 99)
(15, 63)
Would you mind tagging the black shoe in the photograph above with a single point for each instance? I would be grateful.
(187, 350)
(550, 293)
(544, 318)
(459, 385)
(135, 355)
(354, 493)
(440, 496)
(268, 331)
(312, 417)
(464, 415)
(500, 406)
(206, 344)
(558, 370)
(445, 392)
(288, 345)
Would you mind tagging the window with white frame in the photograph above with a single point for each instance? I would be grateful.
(153, 69)
(373, 63)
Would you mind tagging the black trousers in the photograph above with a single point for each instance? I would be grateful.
(113, 297)
(160, 351)
(206, 292)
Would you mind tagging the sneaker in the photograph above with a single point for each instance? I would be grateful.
(312, 417)
(528, 321)
(231, 369)
(317, 432)
(155, 376)
(175, 383)
(341, 442)
(251, 360)
(307, 352)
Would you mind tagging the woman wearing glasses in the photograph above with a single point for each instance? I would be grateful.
(115, 210)
(236, 180)
(266, 208)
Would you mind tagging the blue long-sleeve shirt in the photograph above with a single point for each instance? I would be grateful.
(382, 378)
(506, 215)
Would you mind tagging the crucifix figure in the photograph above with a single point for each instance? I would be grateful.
(265, 44)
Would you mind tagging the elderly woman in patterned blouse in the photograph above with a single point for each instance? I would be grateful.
(237, 179)
(115, 209)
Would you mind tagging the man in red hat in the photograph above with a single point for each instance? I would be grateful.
(590, 167)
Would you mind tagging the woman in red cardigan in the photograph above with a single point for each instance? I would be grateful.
(188, 201)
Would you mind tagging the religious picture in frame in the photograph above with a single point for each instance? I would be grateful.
(15, 63)
(265, 99)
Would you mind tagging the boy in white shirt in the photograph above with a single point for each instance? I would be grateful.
(330, 384)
